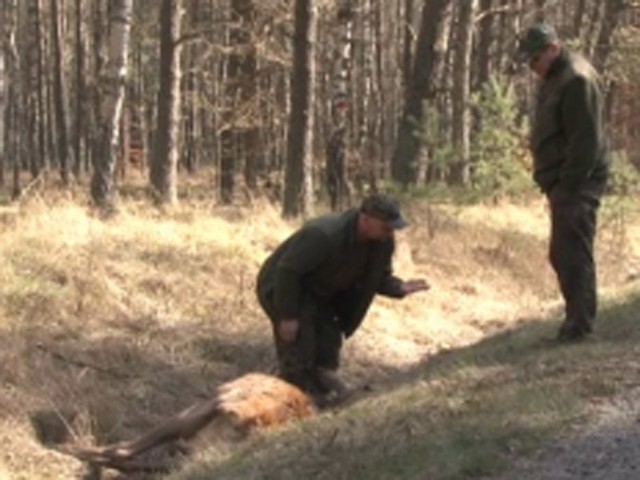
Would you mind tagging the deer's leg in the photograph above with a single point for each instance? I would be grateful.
(183, 425)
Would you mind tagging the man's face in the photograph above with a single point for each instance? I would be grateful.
(375, 229)
(541, 61)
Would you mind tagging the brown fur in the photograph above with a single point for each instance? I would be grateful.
(257, 400)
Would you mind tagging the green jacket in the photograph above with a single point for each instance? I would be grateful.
(568, 138)
(312, 262)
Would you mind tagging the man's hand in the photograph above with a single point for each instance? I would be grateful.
(288, 329)
(415, 285)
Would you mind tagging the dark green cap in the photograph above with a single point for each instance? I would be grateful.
(385, 208)
(535, 39)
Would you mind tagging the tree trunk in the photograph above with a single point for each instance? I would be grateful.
(540, 12)
(612, 14)
(578, 19)
(461, 87)
(228, 137)
(3, 94)
(191, 87)
(80, 94)
(244, 12)
(370, 107)
(592, 33)
(96, 61)
(43, 152)
(30, 81)
(59, 98)
(13, 124)
(190, 150)
(112, 90)
(165, 149)
(390, 75)
(418, 90)
(336, 150)
(408, 42)
(241, 127)
(298, 194)
(25, 107)
(485, 38)
(610, 19)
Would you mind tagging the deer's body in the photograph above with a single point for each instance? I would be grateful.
(252, 401)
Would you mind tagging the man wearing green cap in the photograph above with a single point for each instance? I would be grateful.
(571, 164)
(318, 285)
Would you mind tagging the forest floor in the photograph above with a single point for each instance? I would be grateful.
(127, 321)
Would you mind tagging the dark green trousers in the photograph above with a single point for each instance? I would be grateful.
(573, 228)
(317, 344)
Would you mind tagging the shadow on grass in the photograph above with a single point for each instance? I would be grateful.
(463, 413)
(118, 386)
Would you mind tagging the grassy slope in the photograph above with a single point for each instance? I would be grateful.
(128, 321)
(462, 414)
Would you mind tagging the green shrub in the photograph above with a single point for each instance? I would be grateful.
(433, 135)
(499, 159)
(624, 178)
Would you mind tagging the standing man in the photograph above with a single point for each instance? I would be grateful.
(318, 285)
(571, 164)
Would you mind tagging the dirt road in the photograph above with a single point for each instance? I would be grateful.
(606, 449)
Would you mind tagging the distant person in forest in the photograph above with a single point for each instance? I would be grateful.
(336, 169)
(570, 164)
(318, 285)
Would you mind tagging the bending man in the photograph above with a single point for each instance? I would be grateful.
(318, 285)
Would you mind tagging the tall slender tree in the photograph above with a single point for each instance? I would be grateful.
(417, 91)
(240, 133)
(461, 91)
(578, 19)
(483, 52)
(60, 94)
(249, 128)
(80, 92)
(336, 150)
(298, 191)
(612, 12)
(30, 81)
(13, 123)
(112, 90)
(164, 161)
(407, 65)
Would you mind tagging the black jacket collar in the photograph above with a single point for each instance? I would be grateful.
(561, 61)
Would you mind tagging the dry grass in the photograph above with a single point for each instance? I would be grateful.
(129, 320)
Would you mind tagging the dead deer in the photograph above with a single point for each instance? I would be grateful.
(250, 402)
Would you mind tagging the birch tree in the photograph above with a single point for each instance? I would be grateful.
(112, 90)
(336, 151)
